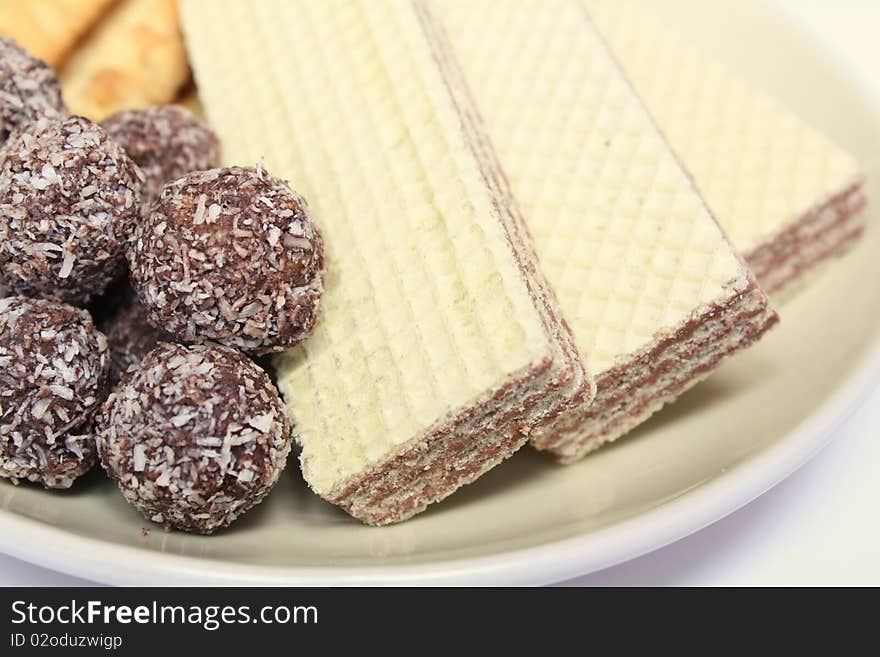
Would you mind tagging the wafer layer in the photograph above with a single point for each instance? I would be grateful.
(440, 343)
(651, 286)
(787, 196)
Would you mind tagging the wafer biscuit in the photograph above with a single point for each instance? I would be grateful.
(788, 197)
(655, 294)
(440, 344)
(49, 29)
(134, 58)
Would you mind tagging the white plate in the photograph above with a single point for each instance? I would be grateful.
(752, 424)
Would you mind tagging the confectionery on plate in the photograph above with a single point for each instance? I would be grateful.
(653, 290)
(53, 376)
(69, 201)
(130, 336)
(515, 251)
(194, 436)
(231, 255)
(787, 196)
(440, 343)
(166, 142)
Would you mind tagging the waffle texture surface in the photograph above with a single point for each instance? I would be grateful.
(655, 294)
(622, 233)
(759, 166)
(425, 311)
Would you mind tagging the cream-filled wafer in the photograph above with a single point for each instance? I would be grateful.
(786, 195)
(439, 344)
(652, 288)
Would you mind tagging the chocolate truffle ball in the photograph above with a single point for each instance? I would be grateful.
(29, 89)
(194, 435)
(230, 255)
(68, 206)
(53, 378)
(166, 142)
(130, 336)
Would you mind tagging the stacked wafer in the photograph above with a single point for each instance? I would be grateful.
(441, 345)
(514, 250)
(653, 290)
(788, 197)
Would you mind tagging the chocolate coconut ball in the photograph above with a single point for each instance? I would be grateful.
(119, 315)
(194, 435)
(53, 378)
(29, 89)
(130, 337)
(68, 206)
(230, 255)
(166, 142)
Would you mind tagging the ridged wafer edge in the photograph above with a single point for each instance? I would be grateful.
(457, 452)
(673, 363)
(783, 261)
(629, 393)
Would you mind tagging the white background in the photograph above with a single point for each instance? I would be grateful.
(821, 526)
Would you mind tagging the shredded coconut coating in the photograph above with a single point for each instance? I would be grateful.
(53, 377)
(119, 315)
(68, 206)
(166, 142)
(130, 336)
(29, 89)
(233, 256)
(194, 435)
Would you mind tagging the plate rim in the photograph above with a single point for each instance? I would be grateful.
(35, 542)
